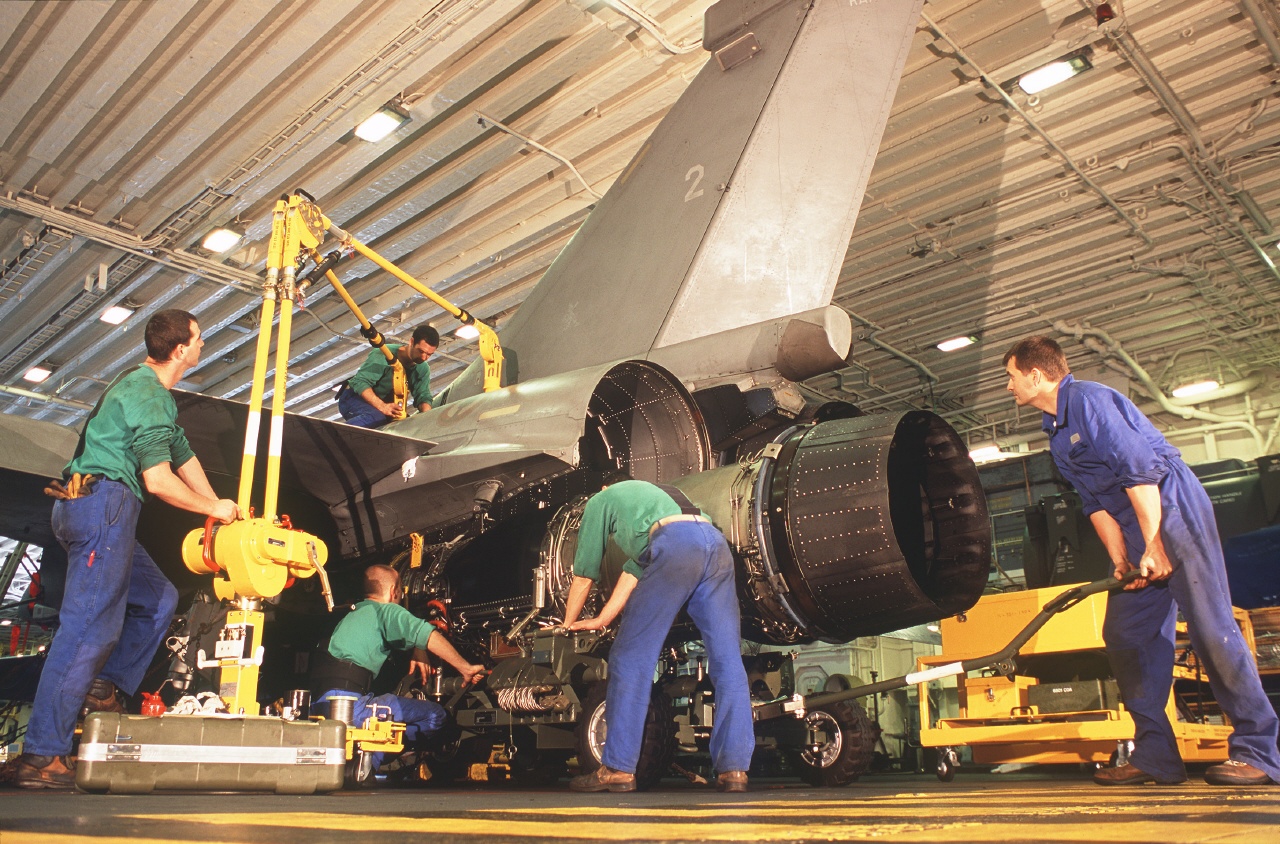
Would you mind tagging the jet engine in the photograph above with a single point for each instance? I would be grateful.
(845, 528)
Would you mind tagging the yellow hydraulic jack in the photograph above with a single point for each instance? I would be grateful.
(257, 558)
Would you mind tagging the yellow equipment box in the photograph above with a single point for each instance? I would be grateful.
(995, 697)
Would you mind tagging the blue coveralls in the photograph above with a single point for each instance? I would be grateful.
(684, 562)
(1103, 445)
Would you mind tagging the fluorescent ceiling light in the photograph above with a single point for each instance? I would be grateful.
(985, 454)
(991, 453)
(381, 123)
(957, 343)
(1046, 76)
(1196, 389)
(220, 240)
(37, 374)
(467, 332)
(116, 314)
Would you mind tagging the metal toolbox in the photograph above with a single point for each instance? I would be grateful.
(994, 697)
(137, 754)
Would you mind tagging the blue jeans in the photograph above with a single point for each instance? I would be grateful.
(116, 610)
(356, 411)
(689, 563)
(420, 717)
(1139, 633)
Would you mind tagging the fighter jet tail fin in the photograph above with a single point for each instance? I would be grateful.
(738, 209)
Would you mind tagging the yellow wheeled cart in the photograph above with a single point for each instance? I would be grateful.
(1032, 710)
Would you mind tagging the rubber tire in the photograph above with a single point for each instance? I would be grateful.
(948, 764)
(358, 772)
(656, 748)
(856, 752)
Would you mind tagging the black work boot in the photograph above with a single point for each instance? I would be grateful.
(31, 771)
(103, 696)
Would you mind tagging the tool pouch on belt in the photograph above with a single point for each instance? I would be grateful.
(77, 486)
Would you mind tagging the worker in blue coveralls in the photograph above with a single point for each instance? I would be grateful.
(367, 399)
(118, 605)
(1152, 514)
(676, 557)
(360, 646)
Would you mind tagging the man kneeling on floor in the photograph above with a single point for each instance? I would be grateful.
(360, 646)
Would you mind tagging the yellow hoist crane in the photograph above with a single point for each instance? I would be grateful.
(258, 556)
(490, 348)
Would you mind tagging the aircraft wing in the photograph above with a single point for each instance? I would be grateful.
(329, 460)
(31, 454)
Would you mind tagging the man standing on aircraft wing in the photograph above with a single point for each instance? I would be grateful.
(1152, 514)
(368, 400)
(676, 557)
(117, 606)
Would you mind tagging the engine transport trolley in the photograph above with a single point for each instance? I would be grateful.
(1010, 716)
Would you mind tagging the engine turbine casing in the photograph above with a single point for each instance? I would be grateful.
(841, 529)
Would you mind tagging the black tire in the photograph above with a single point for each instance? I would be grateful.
(655, 750)
(948, 764)
(359, 770)
(845, 748)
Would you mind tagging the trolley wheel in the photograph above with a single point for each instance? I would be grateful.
(948, 763)
(656, 747)
(844, 739)
(359, 770)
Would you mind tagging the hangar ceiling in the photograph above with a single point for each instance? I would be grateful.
(1128, 211)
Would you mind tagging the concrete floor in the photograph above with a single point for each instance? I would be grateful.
(975, 807)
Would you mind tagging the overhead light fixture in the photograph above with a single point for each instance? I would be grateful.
(987, 454)
(1195, 389)
(1055, 72)
(957, 343)
(382, 122)
(39, 373)
(467, 332)
(116, 314)
(222, 239)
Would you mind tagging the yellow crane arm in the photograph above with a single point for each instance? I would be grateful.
(490, 348)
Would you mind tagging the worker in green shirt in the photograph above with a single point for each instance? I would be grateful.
(118, 605)
(676, 560)
(361, 644)
(367, 400)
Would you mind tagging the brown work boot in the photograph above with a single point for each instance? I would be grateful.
(732, 781)
(1129, 775)
(1232, 772)
(33, 771)
(103, 696)
(604, 779)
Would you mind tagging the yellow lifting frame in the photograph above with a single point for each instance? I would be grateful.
(490, 348)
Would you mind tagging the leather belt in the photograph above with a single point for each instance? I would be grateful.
(679, 517)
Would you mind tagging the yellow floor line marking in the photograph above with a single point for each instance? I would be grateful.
(1084, 830)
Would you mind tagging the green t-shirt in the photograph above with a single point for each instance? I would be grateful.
(372, 630)
(624, 511)
(136, 427)
(376, 372)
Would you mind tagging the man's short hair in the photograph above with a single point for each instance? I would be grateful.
(378, 578)
(615, 476)
(428, 333)
(1042, 353)
(166, 331)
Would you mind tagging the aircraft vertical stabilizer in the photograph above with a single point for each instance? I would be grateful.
(739, 207)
